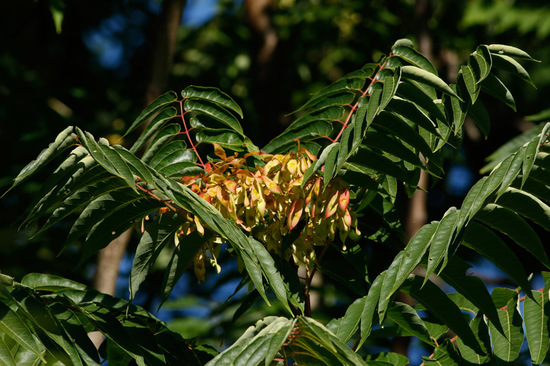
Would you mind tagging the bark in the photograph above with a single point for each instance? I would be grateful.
(259, 20)
(108, 260)
(269, 101)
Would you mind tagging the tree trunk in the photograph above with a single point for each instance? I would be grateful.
(108, 260)
(265, 84)
(417, 214)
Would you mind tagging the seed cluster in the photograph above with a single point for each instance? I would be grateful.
(270, 201)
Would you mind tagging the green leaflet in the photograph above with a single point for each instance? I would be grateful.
(507, 346)
(368, 158)
(156, 124)
(121, 167)
(165, 135)
(154, 107)
(76, 202)
(470, 81)
(508, 64)
(14, 327)
(346, 326)
(107, 157)
(481, 332)
(413, 57)
(63, 141)
(286, 140)
(510, 223)
(484, 188)
(480, 116)
(259, 343)
(412, 113)
(374, 101)
(411, 92)
(330, 163)
(535, 316)
(314, 124)
(398, 127)
(183, 254)
(227, 140)
(443, 237)
(403, 265)
(502, 49)
(388, 358)
(444, 355)
(369, 311)
(327, 151)
(6, 356)
(350, 82)
(536, 184)
(46, 282)
(439, 304)
(495, 87)
(395, 147)
(487, 243)
(213, 95)
(60, 183)
(121, 218)
(390, 79)
(530, 152)
(137, 167)
(329, 114)
(48, 325)
(527, 205)
(425, 77)
(338, 98)
(511, 146)
(482, 60)
(407, 318)
(361, 313)
(471, 287)
(157, 235)
(456, 110)
(214, 111)
(171, 153)
(359, 122)
(325, 345)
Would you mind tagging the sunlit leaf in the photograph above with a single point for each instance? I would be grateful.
(535, 316)
(413, 57)
(502, 49)
(507, 346)
(213, 95)
(423, 76)
(13, 326)
(213, 111)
